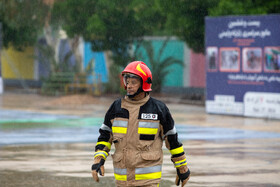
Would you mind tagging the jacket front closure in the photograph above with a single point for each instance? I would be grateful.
(138, 146)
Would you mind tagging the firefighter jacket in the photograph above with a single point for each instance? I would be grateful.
(137, 129)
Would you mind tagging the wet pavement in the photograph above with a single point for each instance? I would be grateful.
(53, 146)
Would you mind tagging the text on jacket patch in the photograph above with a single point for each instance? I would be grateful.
(149, 116)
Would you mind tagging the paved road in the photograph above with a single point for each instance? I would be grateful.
(52, 145)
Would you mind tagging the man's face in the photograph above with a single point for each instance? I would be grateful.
(132, 83)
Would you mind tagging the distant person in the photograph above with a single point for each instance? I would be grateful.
(278, 61)
(137, 124)
(212, 61)
(252, 60)
(275, 62)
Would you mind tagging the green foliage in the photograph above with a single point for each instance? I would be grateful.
(22, 21)
(113, 85)
(109, 25)
(186, 17)
(60, 74)
(186, 20)
(48, 56)
(56, 82)
(159, 65)
(245, 7)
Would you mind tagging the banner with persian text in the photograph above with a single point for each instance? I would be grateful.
(243, 65)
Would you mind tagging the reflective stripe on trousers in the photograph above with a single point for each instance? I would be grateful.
(147, 173)
(150, 185)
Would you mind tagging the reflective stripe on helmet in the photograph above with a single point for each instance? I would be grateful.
(138, 67)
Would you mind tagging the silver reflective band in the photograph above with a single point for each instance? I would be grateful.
(120, 171)
(100, 153)
(105, 128)
(171, 132)
(152, 169)
(181, 163)
(145, 124)
(119, 123)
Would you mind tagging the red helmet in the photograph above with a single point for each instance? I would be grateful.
(141, 69)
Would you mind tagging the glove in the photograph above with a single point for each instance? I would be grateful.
(183, 172)
(183, 175)
(98, 167)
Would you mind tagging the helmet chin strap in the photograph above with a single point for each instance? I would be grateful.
(136, 93)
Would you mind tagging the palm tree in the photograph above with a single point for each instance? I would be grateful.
(159, 66)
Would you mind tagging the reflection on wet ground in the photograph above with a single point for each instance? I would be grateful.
(19, 131)
(56, 150)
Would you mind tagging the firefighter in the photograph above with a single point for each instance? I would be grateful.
(137, 124)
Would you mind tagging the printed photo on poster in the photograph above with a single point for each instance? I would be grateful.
(252, 60)
(230, 59)
(272, 59)
(212, 58)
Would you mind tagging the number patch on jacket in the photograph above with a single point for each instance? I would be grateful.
(149, 116)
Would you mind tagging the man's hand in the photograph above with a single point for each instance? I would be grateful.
(97, 167)
(183, 172)
(183, 175)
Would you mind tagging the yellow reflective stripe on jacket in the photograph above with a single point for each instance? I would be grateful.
(104, 154)
(180, 163)
(147, 131)
(148, 127)
(121, 130)
(107, 144)
(120, 177)
(119, 126)
(156, 175)
(177, 150)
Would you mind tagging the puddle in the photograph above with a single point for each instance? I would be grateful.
(45, 131)
(191, 132)
(21, 116)
(82, 130)
(56, 150)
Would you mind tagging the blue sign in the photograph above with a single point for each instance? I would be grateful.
(243, 65)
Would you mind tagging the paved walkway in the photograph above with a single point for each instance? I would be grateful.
(221, 150)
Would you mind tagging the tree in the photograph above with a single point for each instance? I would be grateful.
(186, 20)
(22, 21)
(109, 25)
(186, 17)
(245, 7)
(159, 66)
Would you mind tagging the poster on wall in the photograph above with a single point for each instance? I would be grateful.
(243, 65)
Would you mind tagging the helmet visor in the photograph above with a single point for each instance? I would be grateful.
(131, 78)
